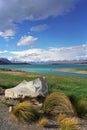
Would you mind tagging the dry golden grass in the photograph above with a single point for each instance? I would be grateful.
(25, 112)
(43, 122)
(58, 102)
(68, 123)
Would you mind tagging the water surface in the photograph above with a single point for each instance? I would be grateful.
(47, 69)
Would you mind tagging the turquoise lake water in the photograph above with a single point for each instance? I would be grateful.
(47, 69)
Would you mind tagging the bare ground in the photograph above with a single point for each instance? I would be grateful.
(7, 122)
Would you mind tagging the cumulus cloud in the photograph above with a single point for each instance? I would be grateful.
(52, 54)
(19, 10)
(26, 40)
(7, 34)
(39, 27)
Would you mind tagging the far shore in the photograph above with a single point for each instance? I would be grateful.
(72, 70)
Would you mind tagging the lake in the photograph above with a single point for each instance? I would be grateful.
(47, 69)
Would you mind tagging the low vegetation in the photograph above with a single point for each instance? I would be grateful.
(67, 95)
(43, 122)
(25, 112)
(81, 69)
(80, 105)
(58, 102)
(69, 85)
(68, 123)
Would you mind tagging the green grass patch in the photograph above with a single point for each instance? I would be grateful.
(69, 85)
(80, 105)
(76, 86)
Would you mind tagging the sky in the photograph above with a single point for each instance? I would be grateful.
(43, 30)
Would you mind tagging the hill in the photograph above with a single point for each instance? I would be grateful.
(4, 61)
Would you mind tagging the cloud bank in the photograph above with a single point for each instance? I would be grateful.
(20, 10)
(51, 54)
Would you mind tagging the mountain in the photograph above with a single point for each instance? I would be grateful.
(4, 61)
(19, 62)
(80, 61)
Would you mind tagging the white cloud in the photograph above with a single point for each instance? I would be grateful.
(2, 52)
(7, 34)
(26, 40)
(52, 54)
(39, 27)
(19, 10)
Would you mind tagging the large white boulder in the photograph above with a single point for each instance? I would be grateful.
(37, 87)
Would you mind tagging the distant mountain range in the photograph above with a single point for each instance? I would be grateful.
(6, 61)
(81, 61)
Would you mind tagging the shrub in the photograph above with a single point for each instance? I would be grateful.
(80, 105)
(43, 122)
(56, 103)
(68, 123)
(25, 112)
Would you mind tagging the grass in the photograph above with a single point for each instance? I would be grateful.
(73, 87)
(68, 123)
(80, 105)
(25, 112)
(58, 102)
(69, 85)
(76, 86)
(43, 122)
(9, 79)
(81, 69)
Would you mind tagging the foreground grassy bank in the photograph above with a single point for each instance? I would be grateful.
(71, 101)
(76, 86)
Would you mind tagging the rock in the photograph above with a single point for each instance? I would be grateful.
(37, 87)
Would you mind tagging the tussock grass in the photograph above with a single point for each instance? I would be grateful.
(57, 102)
(68, 123)
(43, 122)
(76, 86)
(80, 105)
(25, 112)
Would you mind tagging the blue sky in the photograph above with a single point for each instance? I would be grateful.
(43, 30)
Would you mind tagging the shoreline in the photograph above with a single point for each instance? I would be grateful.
(70, 70)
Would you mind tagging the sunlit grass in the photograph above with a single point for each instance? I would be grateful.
(25, 112)
(43, 122)
(68, 123)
